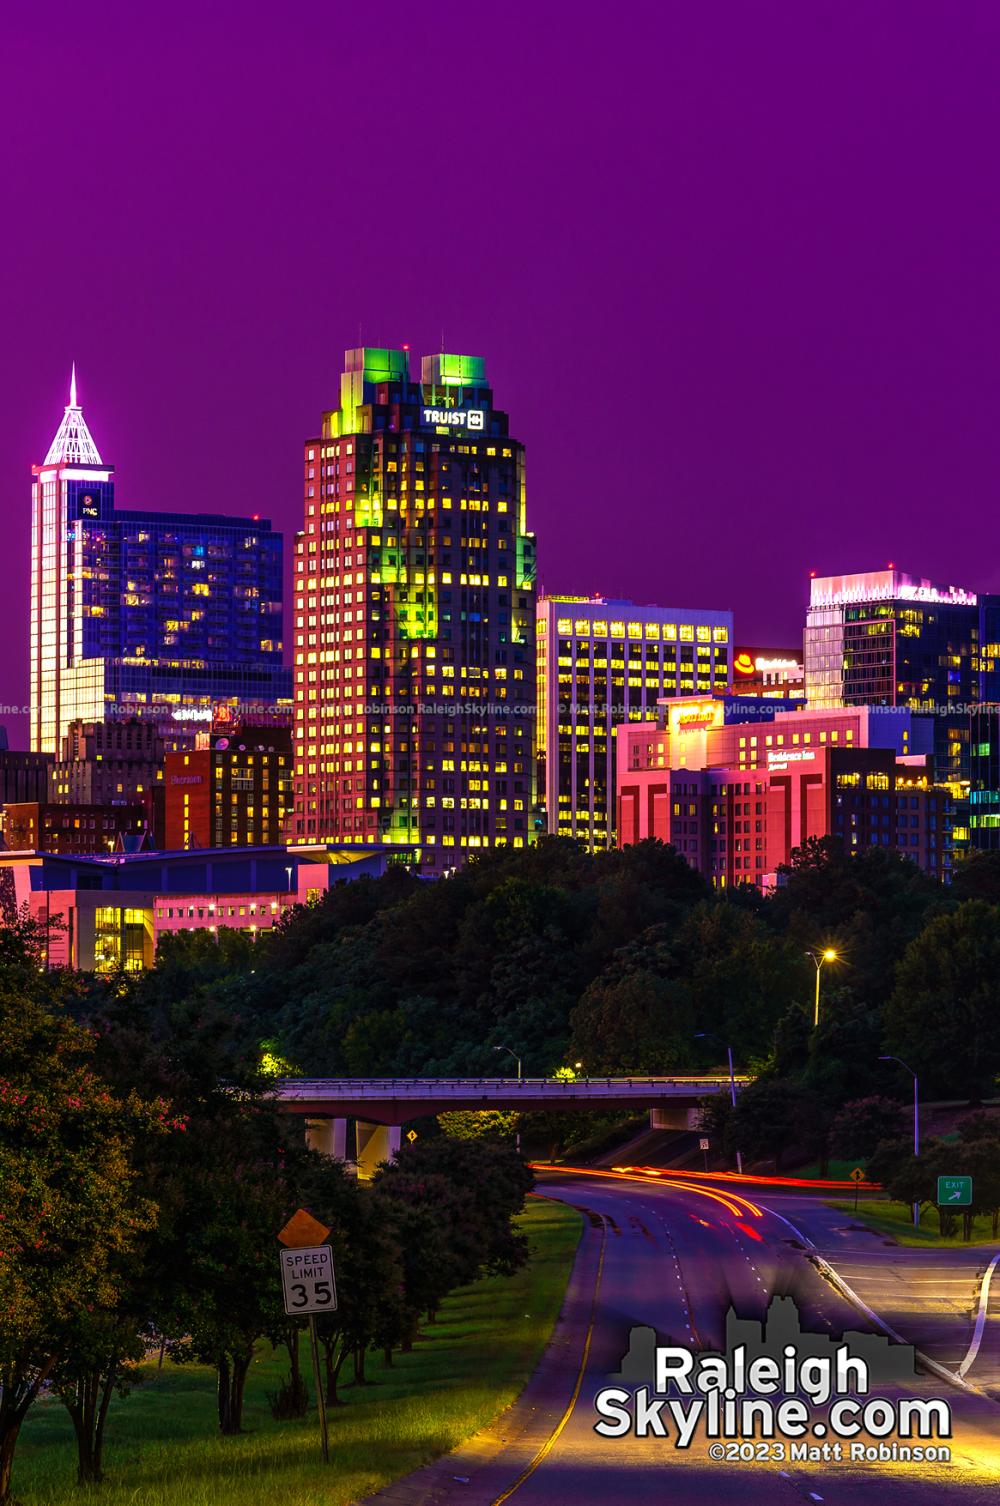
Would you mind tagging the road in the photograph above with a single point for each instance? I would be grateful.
(674, 1259)
(931, 1296)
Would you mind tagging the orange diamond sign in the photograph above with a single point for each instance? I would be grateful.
(303, 1230)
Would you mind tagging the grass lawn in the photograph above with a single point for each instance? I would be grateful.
(163, 1446)
(894, 1219)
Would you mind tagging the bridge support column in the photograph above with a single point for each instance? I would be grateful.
(675, 1116)
(376, 1142)
(329, 1136)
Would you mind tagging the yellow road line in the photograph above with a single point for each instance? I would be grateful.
(550, 1442)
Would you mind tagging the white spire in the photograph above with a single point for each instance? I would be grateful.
(73, 444)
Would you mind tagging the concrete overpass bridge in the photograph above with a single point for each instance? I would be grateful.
(380, 1106)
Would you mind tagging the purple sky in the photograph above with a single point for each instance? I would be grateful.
(733, 267)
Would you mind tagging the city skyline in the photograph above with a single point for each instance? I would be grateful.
(968, 585)
(813, 360)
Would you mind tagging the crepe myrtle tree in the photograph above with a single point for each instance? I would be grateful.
(74, 1210)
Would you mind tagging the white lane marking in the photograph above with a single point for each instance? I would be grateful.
(984, 1302)
(951, 1376)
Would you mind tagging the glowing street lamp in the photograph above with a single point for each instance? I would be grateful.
(828, 954)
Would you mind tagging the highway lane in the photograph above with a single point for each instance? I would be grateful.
(929, 1295)
(673, 1259)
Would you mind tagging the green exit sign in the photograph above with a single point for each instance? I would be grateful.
(954, 1192)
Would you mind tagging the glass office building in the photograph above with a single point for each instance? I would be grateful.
(415, 616)
(601, 663)
(886, 638)
(143, 613)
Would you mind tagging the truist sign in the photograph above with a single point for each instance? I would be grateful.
(471, 419)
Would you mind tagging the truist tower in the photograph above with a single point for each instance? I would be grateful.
(415, 617)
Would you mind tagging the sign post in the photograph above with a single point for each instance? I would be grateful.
(309, 1287)
(954, 1192)
(703, 1145)
(857, 1176)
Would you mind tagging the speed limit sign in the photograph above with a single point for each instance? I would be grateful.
(307, 1280)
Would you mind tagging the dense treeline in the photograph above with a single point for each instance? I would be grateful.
(144, 1176)
(619, 960)
(627, 962)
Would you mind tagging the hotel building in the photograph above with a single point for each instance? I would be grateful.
(602, 662)
(414, 616)
(232, 789)
(158, 615)
(736, 798)
(775, 673)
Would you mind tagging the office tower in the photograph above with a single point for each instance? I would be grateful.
(414, 617)
(232, 790)
(158, 615)
(889, 639)
(602, 662)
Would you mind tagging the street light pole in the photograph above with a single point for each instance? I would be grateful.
(732, 1096)
(703, 1035)
(916, 1122)
(826, 955)
(517, 1138)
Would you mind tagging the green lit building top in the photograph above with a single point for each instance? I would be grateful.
(415, 615)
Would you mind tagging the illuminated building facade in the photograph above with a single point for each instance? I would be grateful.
(889, 639)
(36, 826)
(104, 913)
(984, 794)
(141, 613)
(775, 673)
(602, 662)
(415, 617)
(737, 798)
(231, 790)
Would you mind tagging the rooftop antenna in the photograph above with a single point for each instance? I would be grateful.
(72, 387)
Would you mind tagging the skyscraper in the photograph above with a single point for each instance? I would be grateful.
(885, 638)
(143, 613)
(415, 616)
(603, 662)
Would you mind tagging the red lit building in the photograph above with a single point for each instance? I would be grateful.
(737, 799)
(235, 790)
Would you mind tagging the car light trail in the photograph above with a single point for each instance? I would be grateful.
(731, 1201)
(830, 1184)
